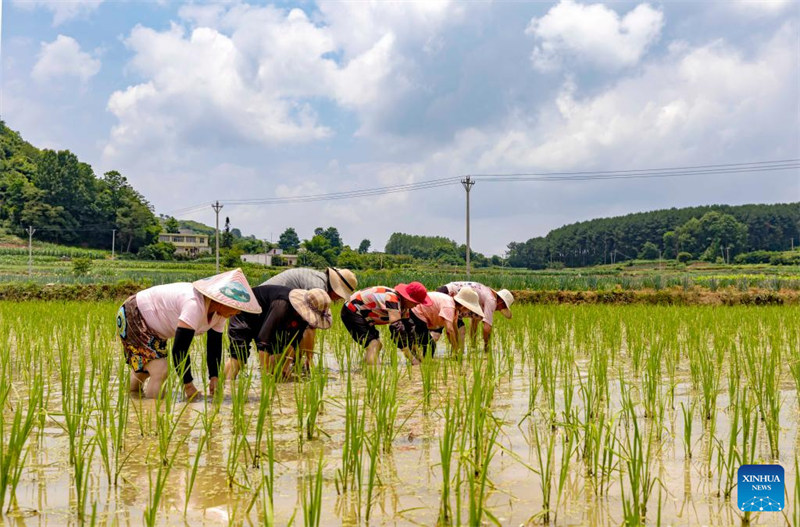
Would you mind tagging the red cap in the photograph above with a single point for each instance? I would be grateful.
(415, 292)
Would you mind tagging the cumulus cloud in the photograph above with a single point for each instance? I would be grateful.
(258, 72)
(63, 10)
(703, 103)
(593, 34)
(63, 58)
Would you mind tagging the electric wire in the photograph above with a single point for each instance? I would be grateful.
(754, 167)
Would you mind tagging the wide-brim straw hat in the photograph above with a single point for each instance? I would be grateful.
(508, 299)
(229, 289)
(342, 281)
(468, 298)
(314, 305)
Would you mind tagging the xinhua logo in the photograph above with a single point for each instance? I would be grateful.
(760, 488)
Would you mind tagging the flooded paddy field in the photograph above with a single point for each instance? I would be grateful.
(581, 415)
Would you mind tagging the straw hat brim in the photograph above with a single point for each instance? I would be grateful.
(338, 285)
(315, 319)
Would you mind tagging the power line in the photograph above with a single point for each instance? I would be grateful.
(755, 167)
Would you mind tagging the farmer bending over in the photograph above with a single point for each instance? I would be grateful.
(490, 301)
(376, 306)
(179, 311)
(285, 315)
(338, 283)
(429, 321)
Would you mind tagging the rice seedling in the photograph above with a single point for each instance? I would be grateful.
(13, 439)
(447, 442)
(312, 497)
(315, 388)
(170, 444)
(688, 422)
(637, 452)
(348, 477)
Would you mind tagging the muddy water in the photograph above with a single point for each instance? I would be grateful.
(409, 476)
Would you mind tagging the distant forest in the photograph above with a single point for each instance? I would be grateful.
(63, 199)
(712, 233)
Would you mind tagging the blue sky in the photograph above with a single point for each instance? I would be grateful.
(198, 101)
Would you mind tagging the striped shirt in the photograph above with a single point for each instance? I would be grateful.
(486, 297)
(377, 304)
(300, 278)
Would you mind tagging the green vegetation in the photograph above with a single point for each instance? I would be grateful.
(709, 233)
(575, 405)
(65, 201)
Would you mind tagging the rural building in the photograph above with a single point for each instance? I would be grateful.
(187, 243)
(267, 258)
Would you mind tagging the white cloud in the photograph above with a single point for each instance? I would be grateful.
(760, 7)
(257, 73)
(706, 103)
(63, 58)
(594, 34)
(63, 10)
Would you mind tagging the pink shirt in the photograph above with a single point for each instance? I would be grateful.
(486, 297)
(163, 306)
(442, 310)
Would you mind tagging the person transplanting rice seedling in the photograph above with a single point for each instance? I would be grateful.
(180, 311)
(490, 301)
(381, 305)
(441, 314)
(338, 283)
(285, 316)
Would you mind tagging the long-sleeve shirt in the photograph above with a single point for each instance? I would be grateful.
(277, 326)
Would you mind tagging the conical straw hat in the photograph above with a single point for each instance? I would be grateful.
(230, 289)
(468, 298)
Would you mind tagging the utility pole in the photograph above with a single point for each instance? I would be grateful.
(468, 183)
(217, 207)
(113, 239)
(31, 230)
(266, 249)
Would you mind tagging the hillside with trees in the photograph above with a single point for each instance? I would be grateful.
(713, 233)
(66, 202)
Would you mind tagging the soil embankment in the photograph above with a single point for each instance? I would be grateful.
(22, 291)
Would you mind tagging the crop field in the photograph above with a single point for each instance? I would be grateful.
(580, 415)
(55, 265)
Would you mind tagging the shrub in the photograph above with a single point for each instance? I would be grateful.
(684, 257)
(157, 251)
(81, 266)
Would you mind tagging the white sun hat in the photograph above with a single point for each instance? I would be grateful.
(229, 289)
(506, 296)
(468, 298)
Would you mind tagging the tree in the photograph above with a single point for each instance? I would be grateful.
(363, 247)
(289, 242)
(227, 237)
(670, 240)
(172, 225)
(649, 251)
